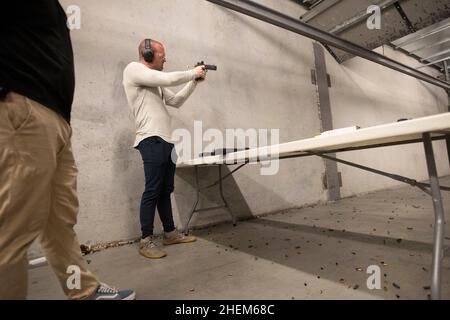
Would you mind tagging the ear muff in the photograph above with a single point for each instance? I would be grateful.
(148, 53)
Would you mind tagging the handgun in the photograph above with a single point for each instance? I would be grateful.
(207, 66)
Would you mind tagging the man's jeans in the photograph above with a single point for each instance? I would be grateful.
(159, 184)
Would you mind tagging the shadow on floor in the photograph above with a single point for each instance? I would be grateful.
(339, 256)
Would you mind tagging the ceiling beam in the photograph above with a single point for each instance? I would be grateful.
(281, 20)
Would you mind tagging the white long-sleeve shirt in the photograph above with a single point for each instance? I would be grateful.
(148, 96)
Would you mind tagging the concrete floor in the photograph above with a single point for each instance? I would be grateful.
(319, 252)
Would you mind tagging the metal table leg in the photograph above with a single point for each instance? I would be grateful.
(197, 198)
(233, 218)
(438, 252)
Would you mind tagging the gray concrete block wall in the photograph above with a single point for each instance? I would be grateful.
(263, 82)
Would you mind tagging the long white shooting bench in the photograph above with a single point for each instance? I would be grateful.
(421, 130)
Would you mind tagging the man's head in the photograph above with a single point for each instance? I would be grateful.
(157, 59)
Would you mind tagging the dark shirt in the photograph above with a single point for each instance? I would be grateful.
(36, 57)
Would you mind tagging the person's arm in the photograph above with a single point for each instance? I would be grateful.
(177, 100)
(146, 77)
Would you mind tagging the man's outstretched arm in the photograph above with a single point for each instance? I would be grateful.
(140, 75)
(145, 77)
(178, 99)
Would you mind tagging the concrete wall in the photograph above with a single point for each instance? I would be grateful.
(367, 94)
(263, 82)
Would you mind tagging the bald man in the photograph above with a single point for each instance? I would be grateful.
(146, 87)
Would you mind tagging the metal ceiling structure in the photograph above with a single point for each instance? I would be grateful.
(281, 20)
(430, 45)
(348, 20)
(308, 4)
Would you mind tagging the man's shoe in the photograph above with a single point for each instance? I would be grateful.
(149, 249)
(105, 292)
(175, 237)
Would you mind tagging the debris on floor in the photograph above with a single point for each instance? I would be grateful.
(87, 249)
(396, 285)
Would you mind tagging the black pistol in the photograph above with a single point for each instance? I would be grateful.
(207, 66)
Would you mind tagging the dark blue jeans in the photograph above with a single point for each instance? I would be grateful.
(159, 184)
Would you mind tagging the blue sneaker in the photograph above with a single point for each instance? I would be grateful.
(105, 292)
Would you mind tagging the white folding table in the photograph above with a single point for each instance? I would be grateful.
(421, 130)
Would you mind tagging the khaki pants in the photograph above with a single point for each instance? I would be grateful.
(38, 197)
